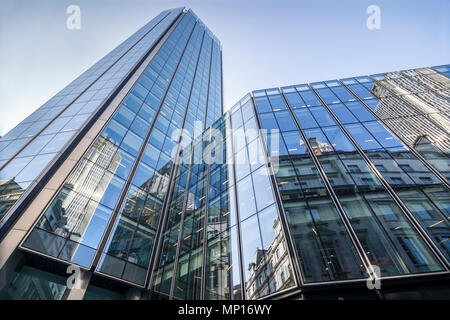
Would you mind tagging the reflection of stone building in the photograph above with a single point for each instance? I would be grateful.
(144, 204)
(87, 179)
(415, 107)
(237, 292)
(91, 179)
(219, 271)
(348, 173)
(138, 221)
(270, 269)
(158, 184)
(435, 156)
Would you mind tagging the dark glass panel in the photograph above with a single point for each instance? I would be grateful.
(323, 246)
(32, 284)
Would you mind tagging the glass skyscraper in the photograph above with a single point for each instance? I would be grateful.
(134, 182)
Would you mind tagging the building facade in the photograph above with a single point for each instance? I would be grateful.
(132, 183)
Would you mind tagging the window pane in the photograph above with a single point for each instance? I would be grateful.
(263, 188)
(360, 111)
(362, 136)
(322, 116)
(131, 143)
(246, 199)
(305, 118)
(342, 113)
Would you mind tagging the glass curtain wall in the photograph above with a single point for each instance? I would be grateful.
(323, 246)
(223, 219)
(418, 188)
(387, 237)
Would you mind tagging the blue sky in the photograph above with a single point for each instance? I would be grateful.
(266, 43)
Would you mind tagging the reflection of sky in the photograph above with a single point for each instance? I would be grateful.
(91, 237)
(292, 41)
(97, 225)
(251, 241)
(23, 174)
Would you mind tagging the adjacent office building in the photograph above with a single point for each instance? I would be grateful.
(133, 183)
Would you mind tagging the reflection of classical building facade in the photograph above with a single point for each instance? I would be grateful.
(357, 177)
(140, 206)
(319, 147)
(274, 262)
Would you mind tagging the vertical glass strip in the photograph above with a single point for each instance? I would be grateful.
(184, 231)
(266, 262)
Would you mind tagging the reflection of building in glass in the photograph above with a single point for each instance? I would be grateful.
(72, 212)
(274, 264)
(144, 209)
(355, 174)
(11, 191)
(319, 147)
(415, 106)
(33, 284)
(86, 179)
